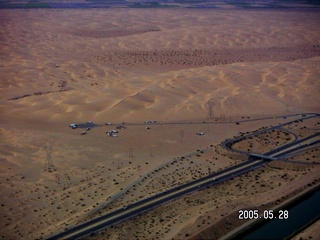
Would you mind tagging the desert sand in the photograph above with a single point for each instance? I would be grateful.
(131, 65)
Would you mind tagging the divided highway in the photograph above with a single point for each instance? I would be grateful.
(144, 205)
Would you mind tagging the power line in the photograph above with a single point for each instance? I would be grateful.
(131, 152)
(181, 135)
(210, 104)
(48, 166)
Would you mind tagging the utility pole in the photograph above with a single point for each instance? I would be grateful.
(48, 166)
(210, 104)
(131, 152)
(181, 135)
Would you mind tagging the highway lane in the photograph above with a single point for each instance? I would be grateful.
(288, 146)
(302, 144)
(298, 151)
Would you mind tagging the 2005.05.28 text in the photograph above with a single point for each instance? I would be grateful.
(266, 214)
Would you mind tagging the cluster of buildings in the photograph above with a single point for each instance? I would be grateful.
(114, 132)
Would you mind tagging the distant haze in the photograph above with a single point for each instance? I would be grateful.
(223, 4)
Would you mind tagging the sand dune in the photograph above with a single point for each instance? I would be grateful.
(101, 63)
(272, 87)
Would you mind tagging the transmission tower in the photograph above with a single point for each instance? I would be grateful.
(210, 104)
(131, 152)
(48, 166)
(181, 135)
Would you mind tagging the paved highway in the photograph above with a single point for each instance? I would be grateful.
(227, 144)
(154, 201)
(301, 116)
(139, 207)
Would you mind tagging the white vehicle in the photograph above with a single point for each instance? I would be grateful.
(200, 133)
(73, 125)
(108, 123)
(89, 122)
(113, 131)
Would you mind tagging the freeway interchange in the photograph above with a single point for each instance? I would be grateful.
(254, 161)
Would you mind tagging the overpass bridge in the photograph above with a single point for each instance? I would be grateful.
(265, 157)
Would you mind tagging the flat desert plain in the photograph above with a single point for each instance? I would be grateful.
(131, 65)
